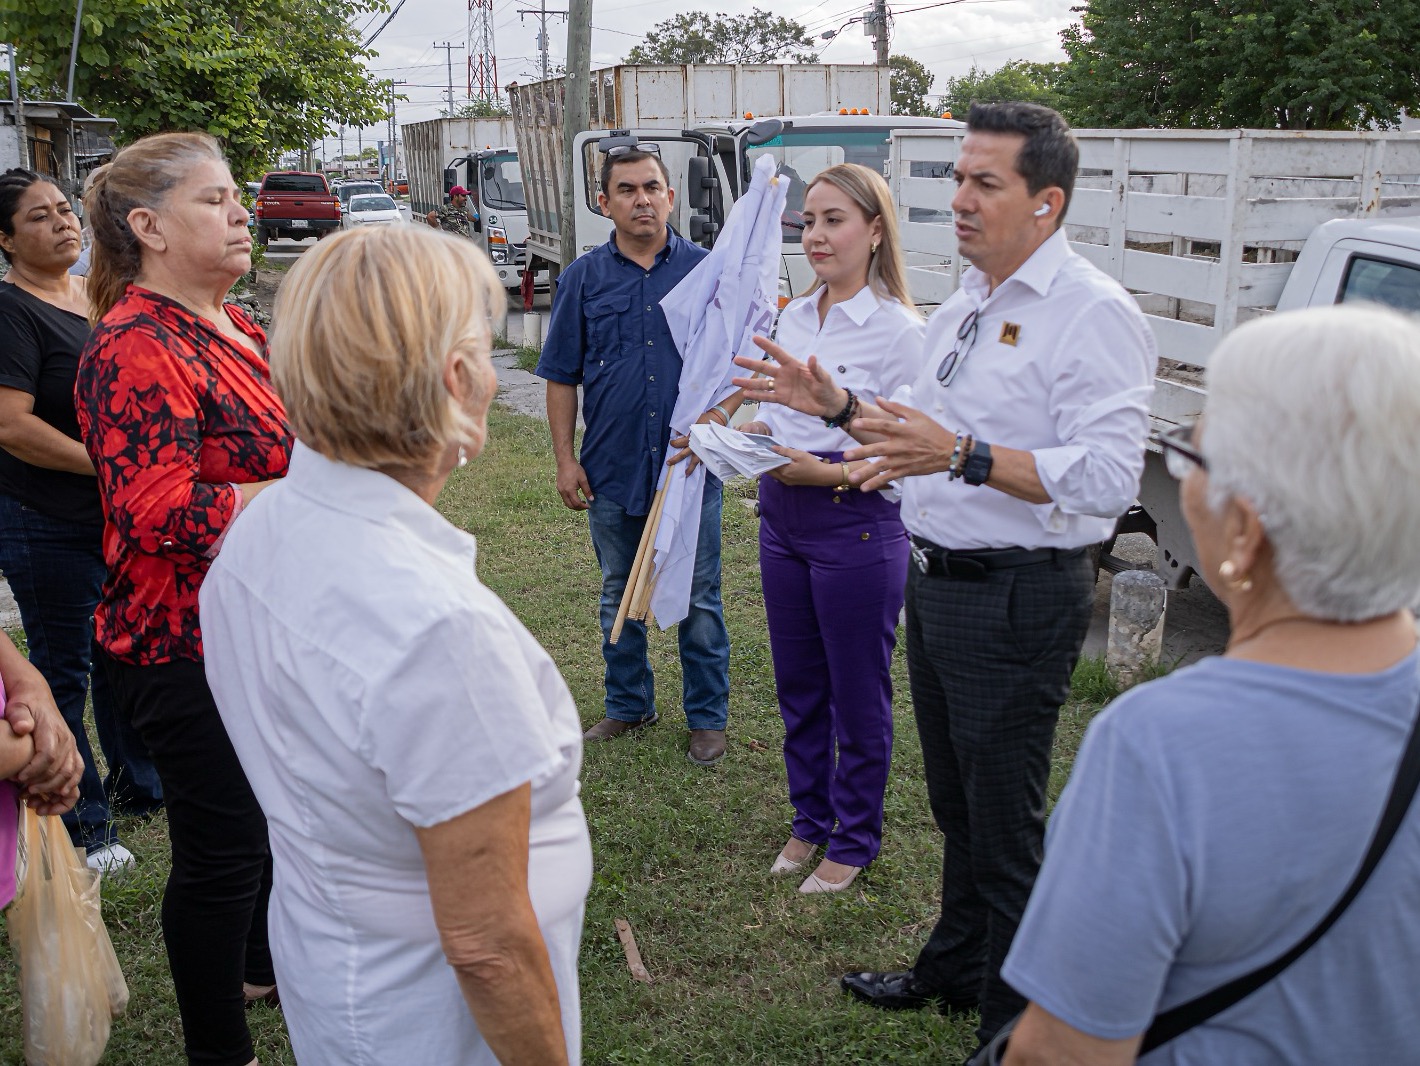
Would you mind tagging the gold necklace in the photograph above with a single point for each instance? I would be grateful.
(1265, 626)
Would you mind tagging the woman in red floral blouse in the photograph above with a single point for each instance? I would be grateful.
(177, 412)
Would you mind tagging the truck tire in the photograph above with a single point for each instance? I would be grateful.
(262, 237)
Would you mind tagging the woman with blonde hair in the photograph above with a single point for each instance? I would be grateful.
(833, 559)
(414, 748)
(179, 418)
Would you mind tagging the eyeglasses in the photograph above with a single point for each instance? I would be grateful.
(1180, 456)
(952, 361)
(650, 147)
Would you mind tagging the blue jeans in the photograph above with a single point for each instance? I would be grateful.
(56, 571)
(704, 642)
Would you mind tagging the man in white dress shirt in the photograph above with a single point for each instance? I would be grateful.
(1017, 448)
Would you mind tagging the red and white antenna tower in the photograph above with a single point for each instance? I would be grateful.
(482, 59)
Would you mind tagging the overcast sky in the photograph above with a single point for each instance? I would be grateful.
(948, 39)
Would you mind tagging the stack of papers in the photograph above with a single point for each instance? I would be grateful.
(728, 453)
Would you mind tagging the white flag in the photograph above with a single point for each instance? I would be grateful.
(730, 297)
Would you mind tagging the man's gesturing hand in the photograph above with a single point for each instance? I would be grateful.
(912, 444)
(805, 387)
(573, 487)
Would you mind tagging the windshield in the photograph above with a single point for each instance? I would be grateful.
(372, 203)
(802, 152)
(294, 183)
(355, 188)
(501, 179)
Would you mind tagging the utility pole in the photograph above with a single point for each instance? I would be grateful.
(575, 107)
(542, 15)
(875, 25)
(449, 55)
(394, 135)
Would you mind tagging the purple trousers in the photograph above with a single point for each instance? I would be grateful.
(834, 567)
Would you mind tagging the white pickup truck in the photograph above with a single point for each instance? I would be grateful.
(1207, 228)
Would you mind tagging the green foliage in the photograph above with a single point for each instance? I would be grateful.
(263, 76)
(1290, 64)
(482, 109)
(699, 37)
(911, 82)
(1036, 83)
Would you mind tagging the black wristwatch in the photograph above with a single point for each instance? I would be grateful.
(978, 464)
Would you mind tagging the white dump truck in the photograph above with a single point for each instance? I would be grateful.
(478, 154)
(1207, 228)
(709, 123)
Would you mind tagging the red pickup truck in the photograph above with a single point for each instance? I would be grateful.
(295, 204)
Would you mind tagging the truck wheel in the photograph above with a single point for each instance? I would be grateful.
(262, 237)
(322, 234)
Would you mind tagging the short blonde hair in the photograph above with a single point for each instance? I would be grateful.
(363, 327)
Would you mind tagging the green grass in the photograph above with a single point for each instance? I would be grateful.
(528, 356)
(744, 969)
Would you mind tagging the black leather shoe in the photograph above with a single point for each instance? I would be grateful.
(901, 990)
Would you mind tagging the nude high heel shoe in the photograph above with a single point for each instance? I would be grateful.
(815, 884)
(783, 865)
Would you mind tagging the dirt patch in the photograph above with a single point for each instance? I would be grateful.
(263, 285)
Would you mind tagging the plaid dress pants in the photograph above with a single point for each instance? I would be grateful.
(989, 661)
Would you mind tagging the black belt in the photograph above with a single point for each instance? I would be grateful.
(936, 561)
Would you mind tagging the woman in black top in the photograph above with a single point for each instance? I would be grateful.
(51, 526)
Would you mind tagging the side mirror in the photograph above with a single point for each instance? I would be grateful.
(764, 131)
(702, 230)
(451, 178)
(699, 182)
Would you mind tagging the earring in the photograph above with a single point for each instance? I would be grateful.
(463, 456)
(1228, 571)
(874, 249)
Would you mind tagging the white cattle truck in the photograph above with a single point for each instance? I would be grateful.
(1207, 229)
(478, 154)
(709, 123)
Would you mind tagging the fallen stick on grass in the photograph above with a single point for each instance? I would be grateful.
(633, 953)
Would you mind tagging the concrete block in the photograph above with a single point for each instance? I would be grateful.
(1136, 624)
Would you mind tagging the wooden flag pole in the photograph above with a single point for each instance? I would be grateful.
(637, 610)
(644, 557)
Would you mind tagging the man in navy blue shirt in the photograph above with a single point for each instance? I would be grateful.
(609, 336)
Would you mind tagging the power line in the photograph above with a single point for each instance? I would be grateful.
(393, 12)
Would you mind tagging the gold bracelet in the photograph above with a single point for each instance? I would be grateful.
(846, 484)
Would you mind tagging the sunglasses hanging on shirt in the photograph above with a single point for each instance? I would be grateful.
(952, 362)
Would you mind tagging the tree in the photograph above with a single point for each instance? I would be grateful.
(1034, 83)
(911, 82)
(1290, 64)
(482, 109)
(263, 76)
(699, 37)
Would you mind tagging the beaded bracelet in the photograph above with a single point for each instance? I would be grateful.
(952, 474)
(849, 412)
(958, 467)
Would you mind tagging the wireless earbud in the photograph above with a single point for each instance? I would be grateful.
(1041, 211)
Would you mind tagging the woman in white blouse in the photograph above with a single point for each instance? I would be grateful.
(833, 559)
(414, 749)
